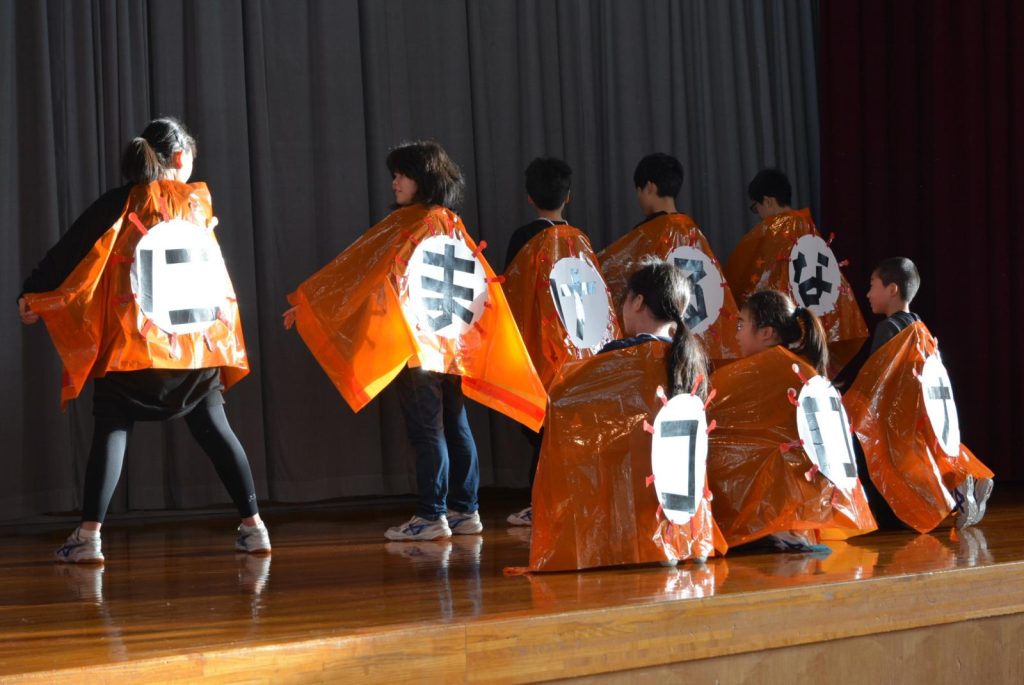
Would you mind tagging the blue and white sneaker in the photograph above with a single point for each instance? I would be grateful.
(521, 518)
(80, 549)
(465, 524)
(253, 539)
(790, 541)
(419, 528)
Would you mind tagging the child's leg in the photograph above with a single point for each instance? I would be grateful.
(209, 425)
(103, 470)
(464, 472)
(420, 397)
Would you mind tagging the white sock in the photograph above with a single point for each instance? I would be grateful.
(88, 534)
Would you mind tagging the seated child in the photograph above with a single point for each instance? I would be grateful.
(770, 475)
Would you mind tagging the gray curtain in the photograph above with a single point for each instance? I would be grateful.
(295, 105)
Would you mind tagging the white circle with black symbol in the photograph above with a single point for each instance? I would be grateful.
(824, 428)
(581, 300)
(679, 456)
(939, 404)
(708, 294)
(178, 277)
(814, 276)
(447, 287)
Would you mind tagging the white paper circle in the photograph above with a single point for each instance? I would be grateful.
(679, 455)
(814, 276)
(447, 287)
(824, 427)
(708, 293)
(939, 404)
(178, 277)
(581, 300)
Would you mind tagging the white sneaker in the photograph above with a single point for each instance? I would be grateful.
(253, 539)
(79, 549)
(418, 528)
(464, 524)
(521, 518)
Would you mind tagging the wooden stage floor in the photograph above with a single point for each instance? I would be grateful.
(337, 603)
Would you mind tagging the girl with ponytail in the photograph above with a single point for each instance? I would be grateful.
(763, 474)
(657, 295)
(148, 364)
(769, 318)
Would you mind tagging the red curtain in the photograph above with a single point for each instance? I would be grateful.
(922, 136)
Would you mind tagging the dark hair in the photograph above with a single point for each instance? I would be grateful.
(438, 179)
(665, 171)
(771, 183)
(666, 292)
(798, 328)
(903, 273)
(547, 182)
(148, 156)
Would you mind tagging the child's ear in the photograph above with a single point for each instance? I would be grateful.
(568, 198)
(530, 200)
(176, 159)
(893, 290)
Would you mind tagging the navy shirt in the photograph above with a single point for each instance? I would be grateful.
(525, 234)
(625, 343)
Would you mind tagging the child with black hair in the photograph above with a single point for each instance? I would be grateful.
(904, 460)
(670, 235)
(554, 288)
(785, 252)
(549, 191)
(765, 478)
(413, 300)
(592, 503)
(894, 283)
(159, 341)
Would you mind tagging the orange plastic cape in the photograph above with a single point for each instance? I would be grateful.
(658, 237)
(528, 289)
(96, 323)
(762, 479)
(350, 314)
(886, 408)
(592, 505)
(761, 262)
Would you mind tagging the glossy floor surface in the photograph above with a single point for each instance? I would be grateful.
(174, 587)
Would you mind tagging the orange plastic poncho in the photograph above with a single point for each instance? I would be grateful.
(761, 261)
(905, 461)
(416, 290)
(762, 477)
(592, 505)
(667, 236)
(100, 322)
(538, 308)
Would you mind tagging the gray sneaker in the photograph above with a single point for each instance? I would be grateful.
(966, 505)
(78, 549)
(253, 539)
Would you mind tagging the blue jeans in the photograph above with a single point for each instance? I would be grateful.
(447, 467)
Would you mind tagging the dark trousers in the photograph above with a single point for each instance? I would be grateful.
(447, 466)
(208, 424)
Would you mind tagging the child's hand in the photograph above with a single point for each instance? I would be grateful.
(28, 317)
(289, 318)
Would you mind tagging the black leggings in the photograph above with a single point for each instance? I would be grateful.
(209, 426)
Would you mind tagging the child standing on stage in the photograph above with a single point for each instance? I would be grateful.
(145, 368)
(554, 288)
(447, 466)
(413, 300)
